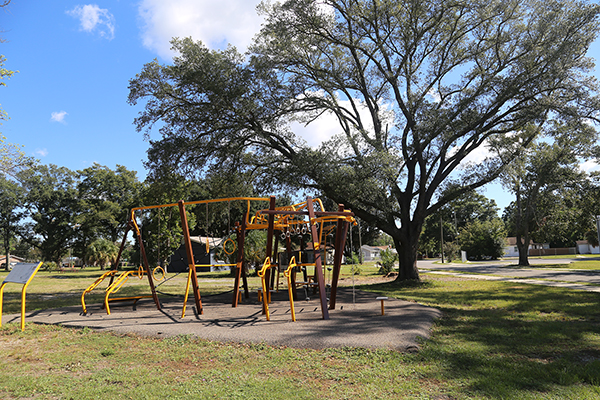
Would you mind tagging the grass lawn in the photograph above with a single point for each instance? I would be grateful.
(496, 340)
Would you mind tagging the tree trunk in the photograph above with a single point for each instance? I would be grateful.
(407, 244)
(523, 247)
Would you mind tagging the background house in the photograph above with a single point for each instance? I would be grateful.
(584, 247)
(178, 261)
(511, 250)
(371, 253)
(13, 260)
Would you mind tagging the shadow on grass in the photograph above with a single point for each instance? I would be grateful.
(505, 340)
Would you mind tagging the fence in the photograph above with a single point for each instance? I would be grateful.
(553, 252)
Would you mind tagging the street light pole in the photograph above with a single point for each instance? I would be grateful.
(441, 238)
(598, 229)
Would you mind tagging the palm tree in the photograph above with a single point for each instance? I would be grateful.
(101, 252)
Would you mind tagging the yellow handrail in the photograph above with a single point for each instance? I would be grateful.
(94, 285)
(116, 286)
(265, 291)
(288, 275)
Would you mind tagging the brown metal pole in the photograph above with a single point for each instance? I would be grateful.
(190, 256)
(148, 273)
(340, 242)
(269, 250)
(304, 272)
(241, 235)
(116, 263)
(318, 264)
(275, 258)
(118, 259)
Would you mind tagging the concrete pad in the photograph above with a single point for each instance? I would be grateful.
(356, 322)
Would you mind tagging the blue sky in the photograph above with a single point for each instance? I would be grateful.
(68, 103)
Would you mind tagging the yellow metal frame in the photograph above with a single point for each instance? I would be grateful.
(94, 285)
(288, 275)
(23, 295)
(260, 220)
(265, 292)
(118, 283)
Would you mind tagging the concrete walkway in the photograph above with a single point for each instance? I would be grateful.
(356, 322)
(499, 271)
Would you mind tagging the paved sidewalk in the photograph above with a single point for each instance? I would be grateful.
(554, 283)
(356, 322)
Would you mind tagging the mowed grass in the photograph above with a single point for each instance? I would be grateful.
(495, 340)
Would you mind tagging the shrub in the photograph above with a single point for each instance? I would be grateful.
(483, 239)
(451, 250)
(50, 266)
(353, 259)
(388, 261)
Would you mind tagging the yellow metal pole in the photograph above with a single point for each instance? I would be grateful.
(23, 307)
(1, 298)
(288, 275)
(265, 291)
(187, 290)
(23, 296)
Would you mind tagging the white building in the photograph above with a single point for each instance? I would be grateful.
(584, 247)
(511, 250)
(371, 253)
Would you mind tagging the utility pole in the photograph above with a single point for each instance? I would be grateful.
(598, 228)
(441, 238)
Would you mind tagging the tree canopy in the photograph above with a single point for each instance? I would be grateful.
(52, 206)
(416, 86)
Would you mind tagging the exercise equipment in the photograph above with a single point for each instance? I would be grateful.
(308, 217)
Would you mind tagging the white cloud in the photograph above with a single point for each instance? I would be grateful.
(318, 131)
(58, 116)
(94, 19)
(435, 95)
(476, 156)
(589, 166)
(327, 124)
(214, 22)
(41, 152)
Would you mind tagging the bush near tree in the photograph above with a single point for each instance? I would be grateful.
(451, 251)
(483, 239)
(387, 262)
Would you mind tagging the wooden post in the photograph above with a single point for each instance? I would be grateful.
(190, 256)
(318, 264)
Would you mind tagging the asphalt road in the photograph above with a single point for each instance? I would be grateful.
(505, 270)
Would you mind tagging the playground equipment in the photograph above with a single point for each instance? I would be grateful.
(281, 223)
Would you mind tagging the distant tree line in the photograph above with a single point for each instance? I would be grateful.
(48, 212)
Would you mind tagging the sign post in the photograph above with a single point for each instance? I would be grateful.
(21, 273)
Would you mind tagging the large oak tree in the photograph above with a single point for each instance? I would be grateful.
(416, 86)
